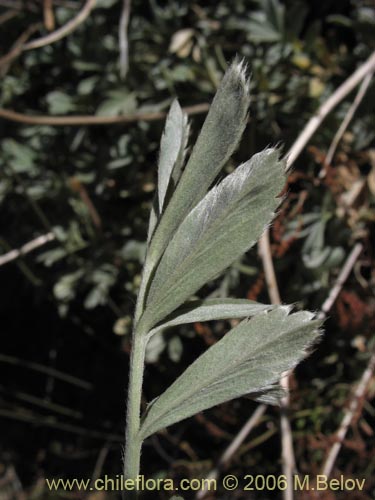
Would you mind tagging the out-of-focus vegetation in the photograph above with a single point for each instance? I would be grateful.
(68, 305)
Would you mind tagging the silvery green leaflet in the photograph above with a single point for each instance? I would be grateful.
(196, 231)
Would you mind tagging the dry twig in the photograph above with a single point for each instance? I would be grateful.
(123, 39)
(288, 459)
(65, 30)
(233, 447)
(100, 462)
(78, 120)
(17, 47)
(27, 248)
(348, 117)
(21, 45)
(18, 5)
(21, 4)
(49, 18)
(37, 367)
(343, 276)
(314, 123)
(39, 420)
(7, 16)
(354, 405)
(265, 254)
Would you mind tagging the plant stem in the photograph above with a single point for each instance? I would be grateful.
(133, 442)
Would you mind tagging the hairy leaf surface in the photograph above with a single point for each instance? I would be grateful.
(247, 360)
(216, 143)
(227, 222)
(171, 158)
(172, 149)
(211, 309)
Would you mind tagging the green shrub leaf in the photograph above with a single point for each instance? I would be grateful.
(226, 223)
(211, 309)
(248, 360)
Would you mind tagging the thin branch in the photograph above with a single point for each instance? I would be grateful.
(80, 189)
(27, 248)
(234, 445)
(38, 420)
(42, 403)
(241, 436)
(34, 204)
(354, 406)
(264, 250)
(74, 120)
(349, 116)
(49, 18)
(288, 460)
(343, 276)
(100, 461)
(31, 365)
(367, 374)
(20, 4)
(17, 47)
(287, 453)
(343, 90)
(21, 264)
(21, 45)
(7, 16)
(64, 31)
(67, 4)
(123, 38)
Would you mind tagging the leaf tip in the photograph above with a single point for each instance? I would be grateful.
(240, 69)
(236, 79)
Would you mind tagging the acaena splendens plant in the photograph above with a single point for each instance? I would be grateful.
(194, 234)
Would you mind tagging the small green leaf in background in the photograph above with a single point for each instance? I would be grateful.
(175, 349)
(248, 360)
(59, 103)
(119, 102)
(102, 279)
(20, 157)
(65, 288)
(267, 25)
(154, 348)
(87, 85)
(133, 250)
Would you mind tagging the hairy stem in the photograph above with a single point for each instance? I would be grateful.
(133, 443)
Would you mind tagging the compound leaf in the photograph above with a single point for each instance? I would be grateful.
(248, 360)
(226, 223)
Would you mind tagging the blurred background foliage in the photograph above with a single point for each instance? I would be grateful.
(66, 308)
